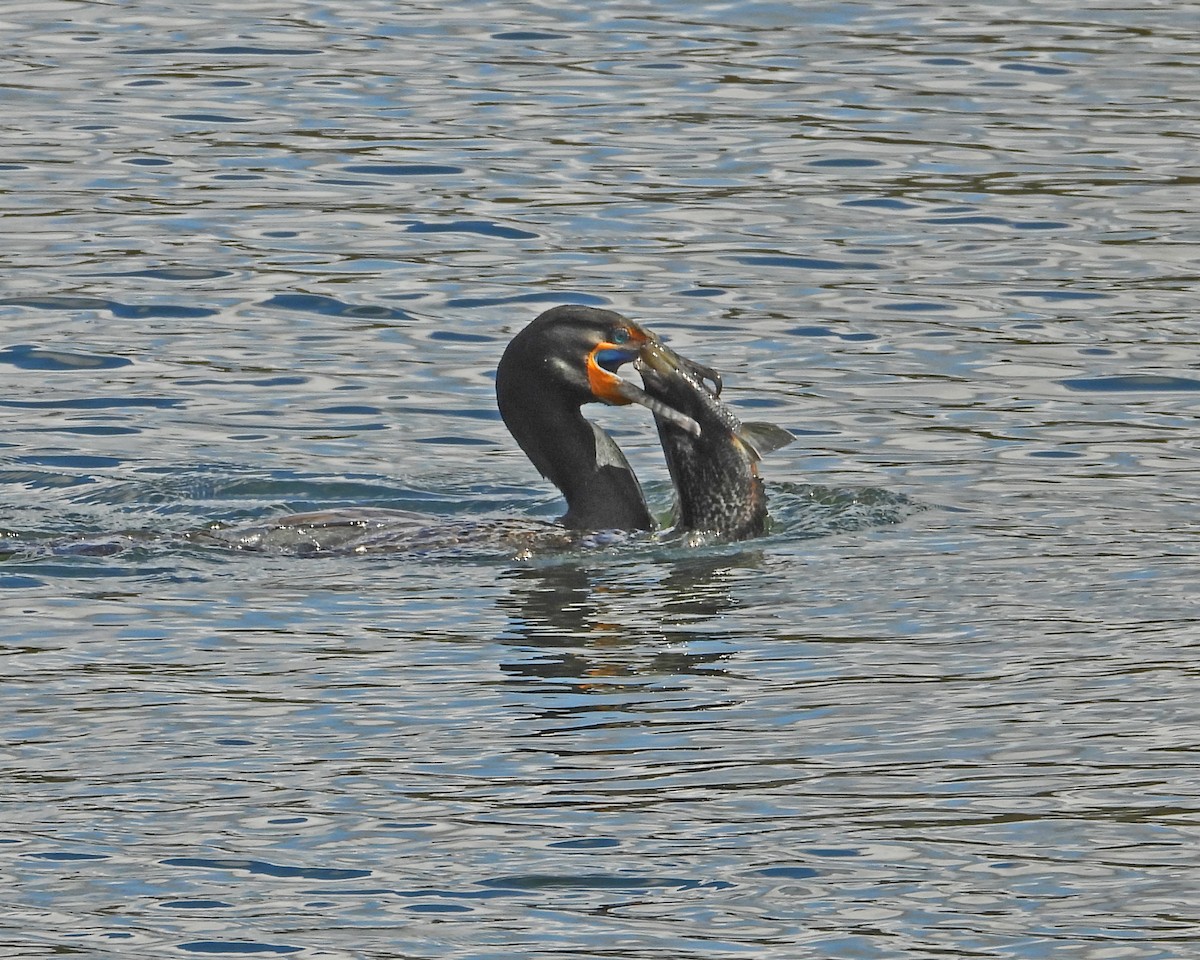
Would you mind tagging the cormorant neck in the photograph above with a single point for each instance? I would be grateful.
(579, 458)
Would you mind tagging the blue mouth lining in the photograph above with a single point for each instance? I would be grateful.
(612, 358)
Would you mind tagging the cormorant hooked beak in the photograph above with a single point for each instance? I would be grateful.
(639, 345)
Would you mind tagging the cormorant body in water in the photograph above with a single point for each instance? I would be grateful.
(717, 483)
(566, 357)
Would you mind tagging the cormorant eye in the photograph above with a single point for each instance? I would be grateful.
(619, 335)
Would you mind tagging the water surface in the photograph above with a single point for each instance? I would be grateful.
(260, 259)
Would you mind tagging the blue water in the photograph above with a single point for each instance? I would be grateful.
(260, 259)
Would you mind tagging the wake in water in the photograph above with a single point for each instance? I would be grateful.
(806, 510)
(457, 531)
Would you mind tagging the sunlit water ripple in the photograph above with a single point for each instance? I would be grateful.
(261, 260)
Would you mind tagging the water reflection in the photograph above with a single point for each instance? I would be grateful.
(599, 626)
(572, 603)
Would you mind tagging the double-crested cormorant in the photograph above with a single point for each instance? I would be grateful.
(565, 358)
(715, 471)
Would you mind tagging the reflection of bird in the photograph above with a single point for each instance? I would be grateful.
(565, 358)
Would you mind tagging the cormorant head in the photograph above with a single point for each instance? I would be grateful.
(569, 356)
(574, 353)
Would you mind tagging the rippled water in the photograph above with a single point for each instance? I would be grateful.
(259, 259)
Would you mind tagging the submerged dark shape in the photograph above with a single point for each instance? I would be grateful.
(566, 357)
(715, 473)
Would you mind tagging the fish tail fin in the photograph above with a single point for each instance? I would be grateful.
(763, 437)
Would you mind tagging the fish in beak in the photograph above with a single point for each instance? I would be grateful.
(715, 470)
